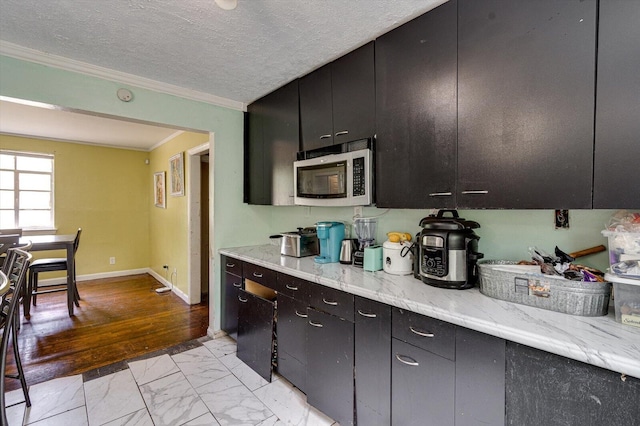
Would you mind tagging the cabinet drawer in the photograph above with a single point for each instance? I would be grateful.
(232, 266)
(259, 274)
(293, 287)
(433, 335)
(332, 301)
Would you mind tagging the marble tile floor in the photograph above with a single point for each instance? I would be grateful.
(203, 383)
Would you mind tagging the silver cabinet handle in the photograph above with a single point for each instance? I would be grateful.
(365, 314)
(230, 265)
(237, 285)
(407, 360)
(290, 287)
(421, 333)
(475, 192)
(255, 274)
(301, 315)
(440, 194)
(242, 300)
(329, 302)
(325, 136)
(344, 132)
(316, 324)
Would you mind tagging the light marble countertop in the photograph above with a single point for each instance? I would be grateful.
(600, 341)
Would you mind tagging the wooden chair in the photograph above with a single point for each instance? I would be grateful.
(7, 241)
(9, 318)
(39, 266)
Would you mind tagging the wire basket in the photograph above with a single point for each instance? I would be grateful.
(500, 280)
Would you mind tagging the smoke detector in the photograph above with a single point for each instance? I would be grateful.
(124, 95)
(227, 4)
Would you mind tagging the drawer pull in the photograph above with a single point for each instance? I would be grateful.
(407, 360)
(315, 324)
(325, 136)
(344, 132)
(329, 302)
(230, 265)
(421, 333)
(290, 287)
(366, 314)
(475, 192)
(301, 315)
(257, 275)
(242, 300)
(440, 194)
(237, 285)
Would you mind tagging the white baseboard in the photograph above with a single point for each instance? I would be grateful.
(100, 275)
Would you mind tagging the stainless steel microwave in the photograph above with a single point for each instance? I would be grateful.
(344, 179)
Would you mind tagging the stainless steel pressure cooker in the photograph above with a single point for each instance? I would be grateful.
(447, 251)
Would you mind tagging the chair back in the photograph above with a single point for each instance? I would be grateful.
(17, 273)
(76, 242)
(6, 242)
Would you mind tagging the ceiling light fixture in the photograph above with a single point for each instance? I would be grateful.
(227, 4)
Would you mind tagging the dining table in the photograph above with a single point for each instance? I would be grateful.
(54, 242)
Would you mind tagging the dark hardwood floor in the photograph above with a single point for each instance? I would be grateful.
(118, 319)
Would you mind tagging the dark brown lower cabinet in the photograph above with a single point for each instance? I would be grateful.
(373, 362)
(330, 361)
(547, 389)
(229, 318)
(291, 330)
(255, 332)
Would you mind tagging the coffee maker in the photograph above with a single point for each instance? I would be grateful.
(330, 236)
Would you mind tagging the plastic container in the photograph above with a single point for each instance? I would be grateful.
(626, 298)
(622, 246)
(505, 281)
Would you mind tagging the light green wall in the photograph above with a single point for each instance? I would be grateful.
(505, 233)
(104, 191)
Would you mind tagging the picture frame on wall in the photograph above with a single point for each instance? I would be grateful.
(176, 173)
(159, 192)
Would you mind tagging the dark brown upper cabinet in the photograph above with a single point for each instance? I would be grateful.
(272, 139)
(337, 101)
(526, 79)
(416, 115)
(617, 149)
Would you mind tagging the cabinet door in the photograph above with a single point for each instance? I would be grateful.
(373, 362)
(353, 88)
(316, 109)
(291, 331)
(526, 80)
(617, 151)
(255, 332)
(480, 364)
(271, 145)
(229, 319)
(330, 366)
(547, 389)
(422, 387)
(416, 112)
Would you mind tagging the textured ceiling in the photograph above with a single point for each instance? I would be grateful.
(239, 55)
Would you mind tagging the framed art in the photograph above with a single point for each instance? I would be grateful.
(159, 192)
(176, 172)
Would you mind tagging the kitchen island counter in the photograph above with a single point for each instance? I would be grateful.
(599, 341)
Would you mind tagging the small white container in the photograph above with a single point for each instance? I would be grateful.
(626, 297)
(397, 258)
(622, 246)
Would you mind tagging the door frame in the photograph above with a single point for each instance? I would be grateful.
(194, 214)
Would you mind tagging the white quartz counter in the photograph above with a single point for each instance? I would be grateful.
(599, 341)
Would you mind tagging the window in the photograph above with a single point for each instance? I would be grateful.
(26, 190)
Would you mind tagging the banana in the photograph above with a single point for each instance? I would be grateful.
(397, 237)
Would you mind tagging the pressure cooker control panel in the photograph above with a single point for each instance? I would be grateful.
(434, 256)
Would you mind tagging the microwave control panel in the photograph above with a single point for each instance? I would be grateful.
(359, 177)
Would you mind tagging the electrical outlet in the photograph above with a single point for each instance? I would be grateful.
(357, 211)
(112, 261)
(175, 270)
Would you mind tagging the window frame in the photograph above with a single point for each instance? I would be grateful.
(17, 190)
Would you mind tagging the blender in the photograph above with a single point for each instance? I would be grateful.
(366, 232)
